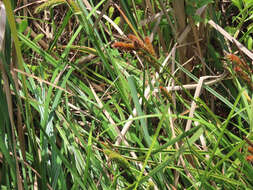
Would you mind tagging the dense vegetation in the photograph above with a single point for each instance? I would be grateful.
(153, 94)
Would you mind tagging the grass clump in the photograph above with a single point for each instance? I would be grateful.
(125, 95)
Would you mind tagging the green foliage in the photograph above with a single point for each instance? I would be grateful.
(74, 97)
(245, 15)
(192, 6)
(52, 3)
(121, 161)
(22, 26)
(48, 4)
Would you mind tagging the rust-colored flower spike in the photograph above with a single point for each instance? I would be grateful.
(137, 42)
(243, 76)
(241, 69)
(239, 62)
(140, 47)
(249, 158)
(124, 46)
(165, 92)
(149, 47)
